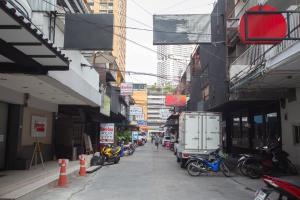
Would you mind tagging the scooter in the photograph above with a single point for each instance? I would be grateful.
(197, 165)
(278, 189)
(111, 154)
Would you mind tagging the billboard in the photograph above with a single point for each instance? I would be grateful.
(126, 89)
(181, 29)
(89, 31)
(107, 132)
(175, 100)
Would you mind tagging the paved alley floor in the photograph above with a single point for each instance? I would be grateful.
(151, 175)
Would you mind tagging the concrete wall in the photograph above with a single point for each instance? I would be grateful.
(290, 116)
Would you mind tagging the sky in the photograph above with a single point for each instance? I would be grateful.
(140, 59)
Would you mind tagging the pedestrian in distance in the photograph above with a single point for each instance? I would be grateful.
(152, 138)
(156, 140)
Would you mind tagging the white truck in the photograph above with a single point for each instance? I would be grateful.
(199, 133)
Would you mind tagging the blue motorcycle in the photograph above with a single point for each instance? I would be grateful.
(197, 165)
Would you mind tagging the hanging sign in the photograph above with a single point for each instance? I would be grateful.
(262, 24)
(175, 100)
(135, 110)
(107, 132)
(126, 89)
(38, 126)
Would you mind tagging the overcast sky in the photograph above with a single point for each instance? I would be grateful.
(140, 59)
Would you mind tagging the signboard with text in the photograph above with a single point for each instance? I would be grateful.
(136, 110)
(38, 126)
(126, 89)
(107, 132)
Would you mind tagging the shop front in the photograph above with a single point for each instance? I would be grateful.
(248, 125)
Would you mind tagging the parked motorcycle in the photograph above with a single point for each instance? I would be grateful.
(129, 149)
(111, 154)
(278, 189)
(197, 165)
(273, 160)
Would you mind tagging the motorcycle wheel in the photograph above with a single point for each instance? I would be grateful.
(292, 169)
(193, 168)
(243, 168)
(254, 170)
(225, 169)
(116, 160)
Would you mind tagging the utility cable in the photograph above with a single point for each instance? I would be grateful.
(141, 7)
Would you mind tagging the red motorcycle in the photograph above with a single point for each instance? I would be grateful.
(278, 189)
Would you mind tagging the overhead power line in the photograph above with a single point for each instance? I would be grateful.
(141, 7)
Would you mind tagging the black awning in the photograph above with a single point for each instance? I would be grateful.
(23, 48)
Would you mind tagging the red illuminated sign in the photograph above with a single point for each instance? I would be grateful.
(175, 100)
(262, 24)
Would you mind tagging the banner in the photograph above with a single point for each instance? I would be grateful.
(126, 89)
(175, 100)
(135, 110)
(107, 132)
(38, 126)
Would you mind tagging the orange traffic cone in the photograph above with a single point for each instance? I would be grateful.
(63, 180)
(82, 170)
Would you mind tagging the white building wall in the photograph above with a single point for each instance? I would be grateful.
(82, 80)
(291, 112)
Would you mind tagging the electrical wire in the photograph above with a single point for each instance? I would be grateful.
(145, 47)
(141, 7)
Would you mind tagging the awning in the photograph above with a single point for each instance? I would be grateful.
(23, 49)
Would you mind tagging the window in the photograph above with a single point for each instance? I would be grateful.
(296, 130)
(103, 5)
(110, 12)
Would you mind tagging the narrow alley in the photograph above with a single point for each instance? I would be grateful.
(151, 174)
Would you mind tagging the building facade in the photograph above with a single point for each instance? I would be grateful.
(33, 86)
(158, 112)
(172, 61)
(118, 9)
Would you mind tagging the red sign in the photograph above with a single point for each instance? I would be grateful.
(175, 100)
(264, 27)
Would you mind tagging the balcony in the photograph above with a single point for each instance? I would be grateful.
(269, 66)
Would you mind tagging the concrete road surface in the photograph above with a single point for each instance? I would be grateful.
(153, 175)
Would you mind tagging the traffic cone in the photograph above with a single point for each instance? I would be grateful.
(82, 170)
(63, 180)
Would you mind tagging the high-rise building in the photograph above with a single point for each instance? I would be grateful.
(172, 61)
(118, 9)
(158, 112)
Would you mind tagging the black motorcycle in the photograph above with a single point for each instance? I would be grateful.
(272, 160)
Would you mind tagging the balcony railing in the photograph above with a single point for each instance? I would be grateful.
(255, 57)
